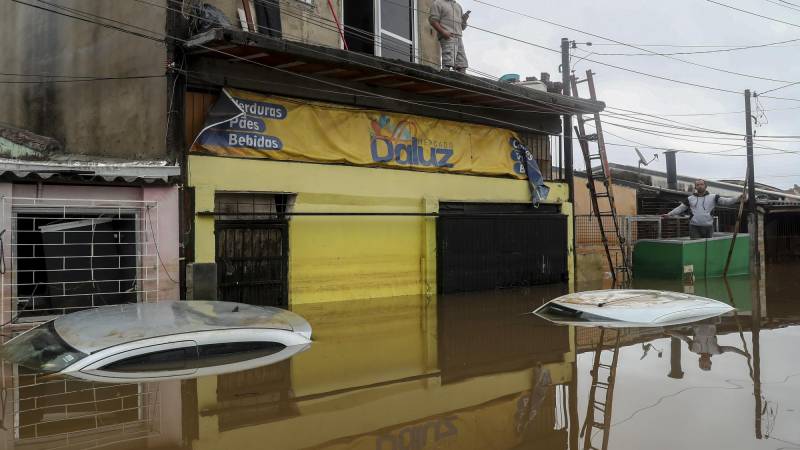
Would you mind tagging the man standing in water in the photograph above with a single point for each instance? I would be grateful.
(701, 204)
(449, 22)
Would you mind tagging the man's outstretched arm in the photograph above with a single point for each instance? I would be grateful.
(678, 210)
(727, 201)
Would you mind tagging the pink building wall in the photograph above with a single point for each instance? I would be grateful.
(163, 216)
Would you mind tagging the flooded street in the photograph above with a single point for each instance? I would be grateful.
(468, 371)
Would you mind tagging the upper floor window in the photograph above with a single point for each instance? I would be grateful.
(383, 28)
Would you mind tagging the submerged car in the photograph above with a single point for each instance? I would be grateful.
(154, 341)
(622, 308)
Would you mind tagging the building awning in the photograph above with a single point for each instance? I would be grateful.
(67, 170)
(350, 68)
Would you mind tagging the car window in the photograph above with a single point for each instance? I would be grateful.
(233, 352)
(42, 349)
(164, 360)
(195, 357)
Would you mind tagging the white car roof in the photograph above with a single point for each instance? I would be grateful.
(636, 307)
(95, 329)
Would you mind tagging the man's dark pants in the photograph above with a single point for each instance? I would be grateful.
(699, 231)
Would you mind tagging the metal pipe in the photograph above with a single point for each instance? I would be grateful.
(672, 171)
(377, 214)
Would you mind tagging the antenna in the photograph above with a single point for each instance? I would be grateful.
(642, 160)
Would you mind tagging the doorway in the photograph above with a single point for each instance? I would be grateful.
(494, 246)
(252, 248)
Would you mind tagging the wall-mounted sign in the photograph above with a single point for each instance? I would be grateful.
(251, 125)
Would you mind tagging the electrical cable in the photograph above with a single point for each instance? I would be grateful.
(78, 80)
(385, 61)
(145, 2)
(334, 84)
(347, 87)
(730, 72)
(155, 243)
(615, 66)
(671, 136)
(699, 52)
(105, 25)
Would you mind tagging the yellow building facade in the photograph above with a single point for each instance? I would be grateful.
(333, 257)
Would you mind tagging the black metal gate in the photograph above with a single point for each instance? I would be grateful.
(252, 261)
(494, 249)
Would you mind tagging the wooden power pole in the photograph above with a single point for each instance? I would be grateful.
(755, 262)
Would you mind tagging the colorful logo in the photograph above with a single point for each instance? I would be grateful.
(398, 142)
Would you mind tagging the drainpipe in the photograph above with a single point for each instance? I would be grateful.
(672, 171)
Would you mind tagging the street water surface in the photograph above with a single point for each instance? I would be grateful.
(467, 371)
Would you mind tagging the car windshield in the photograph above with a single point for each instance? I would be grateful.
(42, 349)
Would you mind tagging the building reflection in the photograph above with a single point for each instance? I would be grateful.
(47, 412)
(462, 371)
(467, 371)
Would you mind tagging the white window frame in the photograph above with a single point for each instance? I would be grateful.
(379, 31)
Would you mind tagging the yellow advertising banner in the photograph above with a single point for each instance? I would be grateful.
(251, 125)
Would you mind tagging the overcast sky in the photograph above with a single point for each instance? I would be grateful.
(678, 22)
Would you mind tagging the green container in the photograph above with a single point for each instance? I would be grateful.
(705, 258)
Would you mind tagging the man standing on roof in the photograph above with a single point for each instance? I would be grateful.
(701, 204)
(449, 21)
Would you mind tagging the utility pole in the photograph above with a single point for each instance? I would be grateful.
(751, 190)
(567, 133)
(567, 122)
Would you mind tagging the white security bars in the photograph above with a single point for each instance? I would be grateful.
(69, 254)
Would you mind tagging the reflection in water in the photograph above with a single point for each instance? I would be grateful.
(467, 371)
(704, 343)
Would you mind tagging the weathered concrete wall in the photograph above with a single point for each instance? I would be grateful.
(116, 118)
(311, 22)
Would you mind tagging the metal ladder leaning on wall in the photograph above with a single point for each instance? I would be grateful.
(620, 273)
(601, 407)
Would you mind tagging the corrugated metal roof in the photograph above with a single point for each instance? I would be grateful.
(70, 169)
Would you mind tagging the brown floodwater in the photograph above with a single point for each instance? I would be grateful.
(467, 371)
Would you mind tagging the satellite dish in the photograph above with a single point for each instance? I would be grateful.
(642, 160)
(641, 157)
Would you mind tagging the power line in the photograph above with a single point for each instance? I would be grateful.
(59, 79)
(608, 64)
(328, 82)
(105, 25)
(730, 72)
(698, 52)
(784, 5)
(210, 49)
(680, 137)
(552, 108)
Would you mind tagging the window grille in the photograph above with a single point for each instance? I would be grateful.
(69, 414)
(69, 254)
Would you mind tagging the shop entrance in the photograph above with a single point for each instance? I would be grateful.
(252, 249)
(493, 246)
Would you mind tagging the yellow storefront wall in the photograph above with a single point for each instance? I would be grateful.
(335, 258)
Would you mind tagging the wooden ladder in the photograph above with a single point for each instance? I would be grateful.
(598, 414)
(602, 197)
